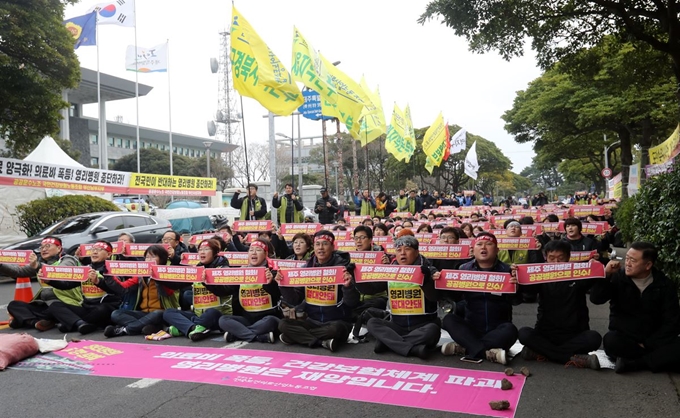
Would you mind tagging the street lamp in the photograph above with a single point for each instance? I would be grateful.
(335, 164)
(606, 151)
(207, 144)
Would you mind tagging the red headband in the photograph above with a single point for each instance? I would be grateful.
(260, 244)
(103, 246)
(325, 237)
(204, 244)
(487, 238)
(51, 241)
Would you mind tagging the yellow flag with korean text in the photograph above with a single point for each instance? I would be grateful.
(258, 73)
(372, 116)
(309, 69)
(350, 101)
(434, 141)
(409, 133)
(395, 143)
(429, 165)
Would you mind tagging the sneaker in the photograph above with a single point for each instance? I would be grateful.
(529, 355)
(199, 332)
(331, 344)
(421, 351)
(380, 347)
(63, 328)
(172, 330)
(453, 349)
(581, 361)
(86, 328)
(114, 331)
(151, 329)
(229, 338)
(265, 338)
(284, 340)
(496, 355)
(44, 325)
(625, 365)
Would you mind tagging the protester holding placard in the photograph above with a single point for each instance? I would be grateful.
(208, 307)
(97, 305)
(644, 319)
(175, 250)
(414, 328)
(513, 229)
(144, 299)
(372, 295)
(562, 333)
(255, 306)
(486, 330)
(319, 316)
(35, 314)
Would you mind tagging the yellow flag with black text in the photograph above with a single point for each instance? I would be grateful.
(258, 73)
(395, 142)
(409, 133)
(434, 141)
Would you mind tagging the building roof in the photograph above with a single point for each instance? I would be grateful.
(112, 88)
(116, 129)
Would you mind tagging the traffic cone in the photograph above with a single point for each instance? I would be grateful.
(23, 292)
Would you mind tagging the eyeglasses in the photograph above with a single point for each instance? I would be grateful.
(448, 237)
(45, 247)
(360, 237)
(167, 240)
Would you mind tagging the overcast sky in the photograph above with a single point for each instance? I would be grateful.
(427, 66)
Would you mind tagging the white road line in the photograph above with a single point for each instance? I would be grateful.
(236, 344)
(3, 307)
(143, 383)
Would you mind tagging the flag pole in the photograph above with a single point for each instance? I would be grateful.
(102, 141)
(245, 143)
(134, 5)
(167, 51)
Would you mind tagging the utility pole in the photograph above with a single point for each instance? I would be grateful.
(340, 186)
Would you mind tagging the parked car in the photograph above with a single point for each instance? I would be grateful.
(133, 204)
(91, 227)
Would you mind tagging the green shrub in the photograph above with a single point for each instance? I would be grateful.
(624, 215)
(656, 220)
(38, 214)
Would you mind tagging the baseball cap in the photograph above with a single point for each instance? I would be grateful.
(323, 190)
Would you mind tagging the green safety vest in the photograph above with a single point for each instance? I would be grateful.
(297, 216)
(366, 208)
(402, 204)
(244, 208)
(518, 257)
(70, 297)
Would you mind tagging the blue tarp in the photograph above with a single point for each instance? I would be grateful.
(193, 225)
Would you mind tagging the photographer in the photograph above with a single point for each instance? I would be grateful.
(326, 207)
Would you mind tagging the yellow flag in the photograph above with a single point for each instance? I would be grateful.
(395, 142)
(371, 125)
(309, 69)
(429, 165)
(409, 133)
(258, 73)
(350, 101)
(434, 141)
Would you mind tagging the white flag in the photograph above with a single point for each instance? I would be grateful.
(458, 141)
(115, 12)
(471, 166)
(147, 60)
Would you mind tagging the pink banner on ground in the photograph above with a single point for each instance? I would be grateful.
(389, 383)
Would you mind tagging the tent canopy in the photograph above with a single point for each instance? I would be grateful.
(49, 152)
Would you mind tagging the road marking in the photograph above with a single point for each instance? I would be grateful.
(143, 383)
(3, 307)
(236, 344)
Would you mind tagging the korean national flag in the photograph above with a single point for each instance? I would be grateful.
(116, 12)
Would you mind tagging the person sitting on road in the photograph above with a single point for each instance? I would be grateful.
(208, 306)
(486, 330)
(562, 333)
(644, 318)
(35, 314)
(372, 295)
(319, 316)
(410, 331)
(144, 299)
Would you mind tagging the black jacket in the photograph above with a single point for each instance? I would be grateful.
(486, 311)
(583, 244)
(326, 214)
(348, 298)
(237, 203)
(651, 318)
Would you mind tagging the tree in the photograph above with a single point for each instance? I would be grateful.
(257, 168)
(560, 29)
(37, 62)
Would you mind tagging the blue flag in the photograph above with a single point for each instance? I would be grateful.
(83, 28)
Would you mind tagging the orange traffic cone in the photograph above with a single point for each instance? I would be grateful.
(23, 292)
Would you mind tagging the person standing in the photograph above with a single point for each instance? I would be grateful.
(326, 206)
(289, 206)
(252, 207)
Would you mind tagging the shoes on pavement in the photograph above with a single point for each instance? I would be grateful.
(529, 354)
(421, 351)
(453, 349)
(380, 347)
(63, 328)
(172, 330)
(86, 328)
(624, 365)
(44, 325)
(229, 338)
(285, 340)
(265, 338)
(333, 344)
(496, 355)
(14, 323)
(199, 333)
(114, 331)
(582, 361)
(151, 329)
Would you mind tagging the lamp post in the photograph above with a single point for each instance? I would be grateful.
(335, 165)
(207, 144)
(606, 151)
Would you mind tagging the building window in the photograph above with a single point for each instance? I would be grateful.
(162, 148)
(134, 145)
(110, 141)
(94, 162)
(128, 143)
(71, 110)
(174, 150)
(94, 139)
(119, 142)
(212, 155)
(111, 161)
(157, 146)
(193, 153)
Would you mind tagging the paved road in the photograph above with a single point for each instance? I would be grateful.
(551, 391)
